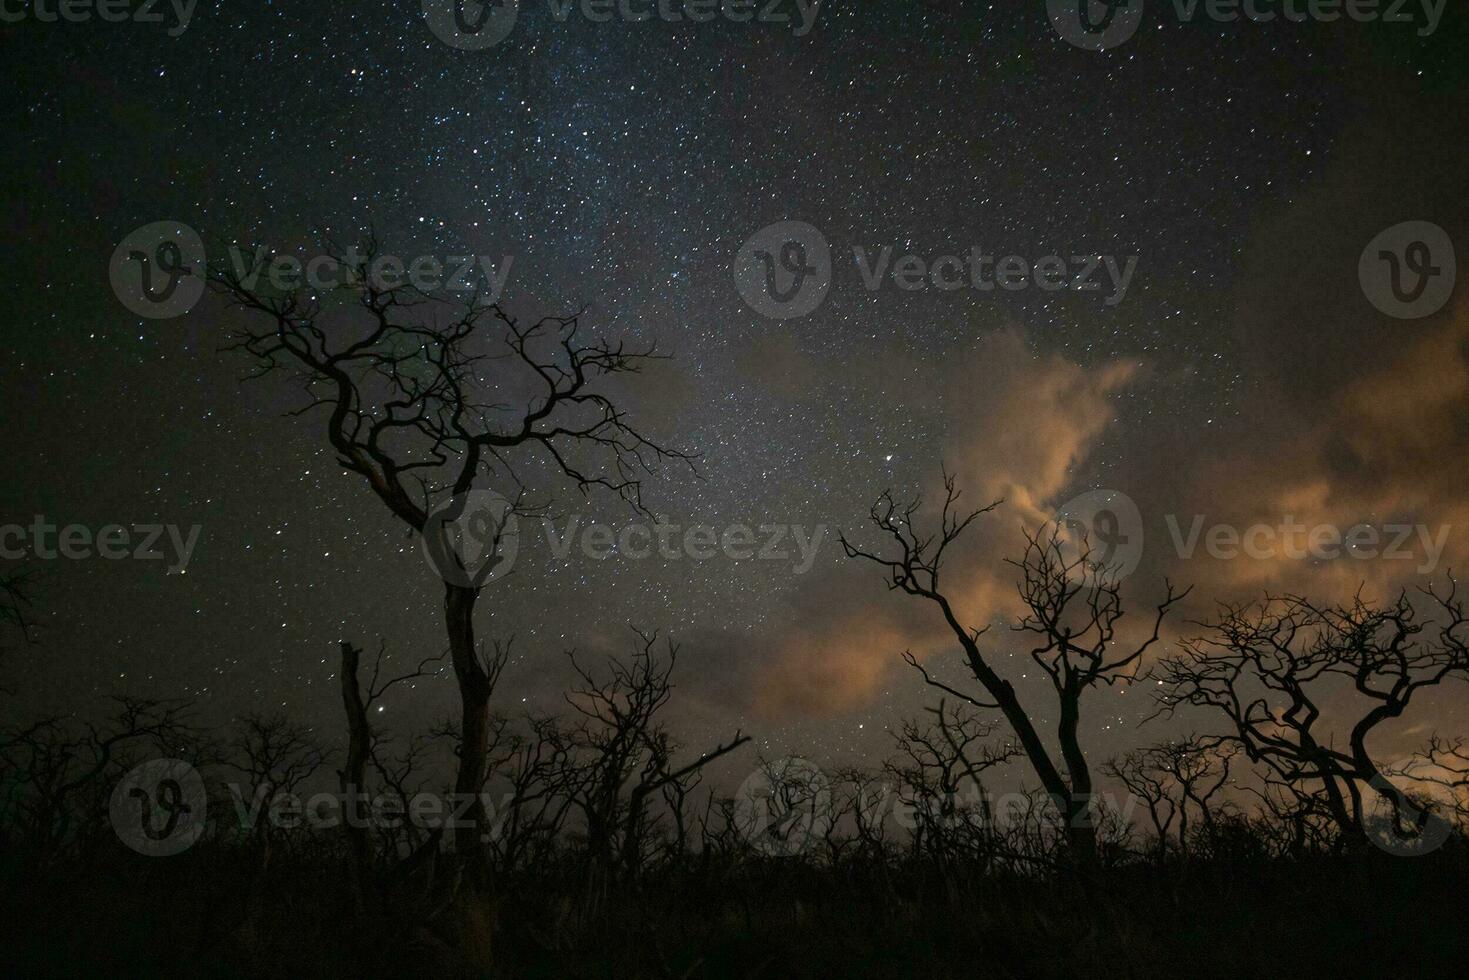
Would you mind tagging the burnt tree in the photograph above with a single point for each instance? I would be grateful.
(428, 398)
(1072, 610)
(1266, 669)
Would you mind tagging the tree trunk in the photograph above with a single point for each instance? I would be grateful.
(474, 731)
(354, 772)
(1081, 836)
(1081, 832)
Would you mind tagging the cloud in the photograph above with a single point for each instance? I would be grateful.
(1343, 416)
(1389, 447)
(1020, 423)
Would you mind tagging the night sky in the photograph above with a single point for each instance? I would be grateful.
(623, 165)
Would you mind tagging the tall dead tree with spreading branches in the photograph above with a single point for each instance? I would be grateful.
(1072, 611)
(428, 397)
(1266, 669)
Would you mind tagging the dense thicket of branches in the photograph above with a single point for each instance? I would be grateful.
(597, 812)
(1265, 671)
(605, 844)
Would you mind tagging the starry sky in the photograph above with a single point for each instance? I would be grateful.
(622, 166)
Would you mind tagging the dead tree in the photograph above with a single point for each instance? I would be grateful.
(1264, 669)
(432, 398)
(677, 794)
(1072, 613)
(357, 700)
(15, 605)
(1173, 778)
(276, 757)
(869, 792)
(1294, 820)
(538, 769)
(939, 763)
(1443, 764)
(622, 755)
(57, 773)
(720, 835)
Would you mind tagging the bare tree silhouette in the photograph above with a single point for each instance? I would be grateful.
(276, 756)
(434, 398)
(1265, 667)
(1442, 763)
(622, 754)
(15, 605)
(1172, 779)
(357, 700)
(938, 763)
(1072, 612)
(57, 773)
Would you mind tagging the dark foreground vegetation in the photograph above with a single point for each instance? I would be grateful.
(207, 914)
(606, 854)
